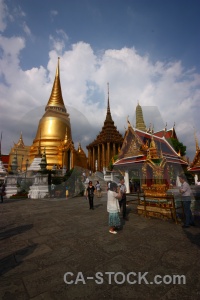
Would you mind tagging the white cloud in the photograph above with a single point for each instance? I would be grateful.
(62, 34)
(3, 15)
(53, 13)
(84, 76)
(18, 12)
(26, 29)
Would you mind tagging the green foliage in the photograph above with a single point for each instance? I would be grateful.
(24, 185)
(71, 177)
(189, 177)
(57, 180)
(178, 146)
(114, 158)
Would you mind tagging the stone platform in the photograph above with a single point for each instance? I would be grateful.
(42, 239)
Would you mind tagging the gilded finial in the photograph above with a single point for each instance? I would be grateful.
(79, 146)
(152, 143)
(129, 124)
(108, 109)
(58, 67)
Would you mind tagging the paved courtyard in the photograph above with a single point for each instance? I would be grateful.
(41, 240)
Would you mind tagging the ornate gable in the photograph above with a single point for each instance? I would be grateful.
(196, 161)
(132, 144)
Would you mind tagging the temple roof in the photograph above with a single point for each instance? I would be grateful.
(109, 132)
(194, 169)
(196, 162)
(195, 165)
(168, 134)
(56, 99)
(20, 143)
(137, 144)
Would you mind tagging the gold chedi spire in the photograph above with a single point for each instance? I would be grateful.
(56, 99)
(139, 119)
(54, 127)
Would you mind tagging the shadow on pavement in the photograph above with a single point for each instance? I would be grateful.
(12, 261)
(14, 231)
(194, 238)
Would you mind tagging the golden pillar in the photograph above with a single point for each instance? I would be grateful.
(93, 161)
(108, 153)
(114, 149)
(103, 155)
(99, 159)
(89, 158)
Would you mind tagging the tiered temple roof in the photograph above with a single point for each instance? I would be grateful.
(20, 143)
(109, 132)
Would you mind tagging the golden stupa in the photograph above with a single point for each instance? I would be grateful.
(53, 127)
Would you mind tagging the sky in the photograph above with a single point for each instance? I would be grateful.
(147, 50)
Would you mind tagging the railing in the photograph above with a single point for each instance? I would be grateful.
(112, 176)
(162, 206)
(100, 175)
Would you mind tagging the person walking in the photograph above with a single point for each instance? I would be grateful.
(52, 190)
(122, 202)
(186, 198)
(113, 197)
(86, 183)
(98, 189)
(2, 191)
(90, 194)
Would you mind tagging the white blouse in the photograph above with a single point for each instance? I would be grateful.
(112, 202)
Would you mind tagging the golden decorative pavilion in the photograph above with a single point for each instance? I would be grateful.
(54, 133)
(149, 157)
(20, 152)
(106, 145)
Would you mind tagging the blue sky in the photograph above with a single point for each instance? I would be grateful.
(147, 51)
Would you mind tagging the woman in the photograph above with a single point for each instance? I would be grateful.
(90, 194)
(2, 191)
(185, 191)
(113, 207)
(98, 188)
